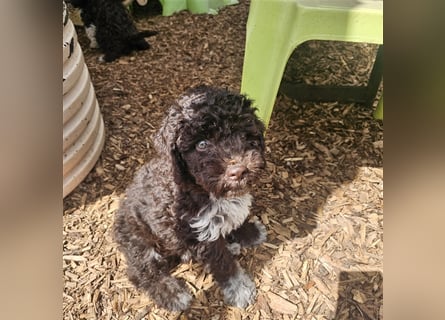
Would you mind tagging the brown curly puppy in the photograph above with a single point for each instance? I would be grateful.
(193, 200)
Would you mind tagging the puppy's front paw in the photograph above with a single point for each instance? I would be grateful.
(239, 290)
(262, 233)
(94, 44)
(249, 234)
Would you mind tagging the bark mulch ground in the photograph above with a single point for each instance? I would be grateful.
(321, 199)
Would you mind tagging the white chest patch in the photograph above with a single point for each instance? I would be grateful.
(220, 217)
(91, 34)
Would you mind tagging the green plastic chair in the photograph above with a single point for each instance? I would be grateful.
(276, 27)
(169, 7)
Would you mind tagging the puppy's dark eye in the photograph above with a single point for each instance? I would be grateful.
(202, 145)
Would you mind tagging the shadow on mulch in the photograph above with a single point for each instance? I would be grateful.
(357, 292)
(315, 148)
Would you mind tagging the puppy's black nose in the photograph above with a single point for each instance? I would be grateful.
(236, 172)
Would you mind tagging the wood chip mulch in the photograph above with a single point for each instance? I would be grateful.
(321, 198)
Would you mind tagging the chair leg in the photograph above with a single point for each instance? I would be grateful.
(378, 113)
(266, 54)
(375, 78)
(169, 7)
(261, 83)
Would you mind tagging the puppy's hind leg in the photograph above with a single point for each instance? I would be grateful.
(151, 274)
(110, 56)
(147, 269)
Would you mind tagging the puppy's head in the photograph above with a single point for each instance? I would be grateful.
(215, 141)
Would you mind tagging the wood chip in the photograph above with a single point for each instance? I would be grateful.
(358, 296)
(280, 304)
(74, 258)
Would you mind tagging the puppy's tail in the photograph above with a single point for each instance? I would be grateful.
(138, 42)
(144, 34)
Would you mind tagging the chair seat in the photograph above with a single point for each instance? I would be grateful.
(276, 28)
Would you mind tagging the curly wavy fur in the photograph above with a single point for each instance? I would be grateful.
(110, 27)
(193, 200)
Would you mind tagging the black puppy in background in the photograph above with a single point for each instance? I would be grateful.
(110, 27)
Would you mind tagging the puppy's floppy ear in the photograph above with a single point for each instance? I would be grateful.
(180, 171)
(164, 139)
